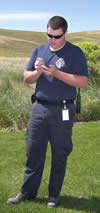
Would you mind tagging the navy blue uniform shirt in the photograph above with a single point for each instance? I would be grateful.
(69, 59)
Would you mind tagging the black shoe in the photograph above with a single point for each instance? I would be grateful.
(53, 202)
(20, 197)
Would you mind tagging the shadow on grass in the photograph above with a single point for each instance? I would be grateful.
(80, 204)
(74, 203)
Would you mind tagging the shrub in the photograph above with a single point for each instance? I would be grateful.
(92, 53)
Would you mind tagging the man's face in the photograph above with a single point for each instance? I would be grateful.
(56, 43)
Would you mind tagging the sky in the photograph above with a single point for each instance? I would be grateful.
(33, 15)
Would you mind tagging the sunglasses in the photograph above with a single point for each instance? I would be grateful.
(56, 36)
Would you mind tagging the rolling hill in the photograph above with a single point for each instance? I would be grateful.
(15, 43)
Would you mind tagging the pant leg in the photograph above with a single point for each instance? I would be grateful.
(36, 144)
(61, 146)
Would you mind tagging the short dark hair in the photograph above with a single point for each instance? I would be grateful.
(57, 22)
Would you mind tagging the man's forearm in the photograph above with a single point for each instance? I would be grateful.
(72, 80)
(31, 76)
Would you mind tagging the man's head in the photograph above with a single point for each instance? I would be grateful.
(56, 32)
(57, 22)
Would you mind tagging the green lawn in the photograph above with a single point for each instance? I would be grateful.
(81, 188)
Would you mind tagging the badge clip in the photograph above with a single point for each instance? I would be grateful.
(64, 102)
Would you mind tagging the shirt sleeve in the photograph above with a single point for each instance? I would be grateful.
(30, 66)
(79, 64)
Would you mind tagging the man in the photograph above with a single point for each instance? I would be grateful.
(58, 67)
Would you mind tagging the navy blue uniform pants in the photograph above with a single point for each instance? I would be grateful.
(45, 125)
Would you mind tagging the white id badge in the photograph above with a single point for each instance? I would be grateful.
(65, 115)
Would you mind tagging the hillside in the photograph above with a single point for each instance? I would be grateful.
(21, 43)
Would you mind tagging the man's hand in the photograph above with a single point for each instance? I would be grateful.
(49, 71)
(38, 63)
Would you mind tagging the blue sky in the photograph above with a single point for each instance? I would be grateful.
(33, 15)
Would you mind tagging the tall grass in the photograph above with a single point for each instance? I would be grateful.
(90, 104)
(15, 103)
(15, 96)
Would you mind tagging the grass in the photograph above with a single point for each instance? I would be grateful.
(19, 43)
(81, 189)
(15, 104)
(15, 96)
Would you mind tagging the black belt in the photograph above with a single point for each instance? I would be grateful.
(45, 102)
